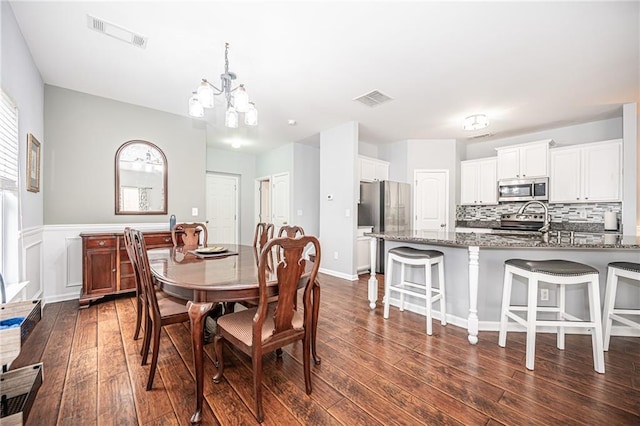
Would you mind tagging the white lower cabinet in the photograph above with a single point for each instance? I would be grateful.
(363, 257)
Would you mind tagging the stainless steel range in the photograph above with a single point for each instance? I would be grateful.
(522, 221)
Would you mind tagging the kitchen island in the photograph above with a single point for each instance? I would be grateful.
(466, 272)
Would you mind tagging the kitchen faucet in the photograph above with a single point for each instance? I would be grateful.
(545, 227)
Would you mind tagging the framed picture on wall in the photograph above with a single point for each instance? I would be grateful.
(33, 163)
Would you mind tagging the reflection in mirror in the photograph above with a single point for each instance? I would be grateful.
(141, 179)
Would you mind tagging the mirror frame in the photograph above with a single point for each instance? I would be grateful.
(119, 211)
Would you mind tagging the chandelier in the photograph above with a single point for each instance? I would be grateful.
(237, 99)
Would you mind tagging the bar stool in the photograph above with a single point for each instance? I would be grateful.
(561, 273)
(427, 258)
(614, 271)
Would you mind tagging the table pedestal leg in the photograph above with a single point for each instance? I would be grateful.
(197, 314)
(373, 281)
(472, 321)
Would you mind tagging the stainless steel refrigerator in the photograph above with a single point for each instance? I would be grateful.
(386, 206)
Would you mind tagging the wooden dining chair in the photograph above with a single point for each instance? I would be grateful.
(188, 234)
(293, 231)
(264, 232)
(162, 311)
(290, 231)
(267, 327)
(141, 306)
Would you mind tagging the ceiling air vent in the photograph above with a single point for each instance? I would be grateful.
(373, 98)
(484, 135)
(116, 31)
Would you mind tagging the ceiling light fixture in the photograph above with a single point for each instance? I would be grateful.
(237, 103)
(476, 122)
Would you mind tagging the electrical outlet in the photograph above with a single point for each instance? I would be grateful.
(335, 255)
(544, 294)
(582, 214)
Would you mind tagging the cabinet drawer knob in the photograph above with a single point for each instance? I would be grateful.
(113, 270)
(101, 243)
(167, 239)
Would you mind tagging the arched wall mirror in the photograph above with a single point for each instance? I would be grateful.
(141, 179)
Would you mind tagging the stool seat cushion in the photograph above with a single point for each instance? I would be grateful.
(627, 266)
(413, 253)
(553, 267)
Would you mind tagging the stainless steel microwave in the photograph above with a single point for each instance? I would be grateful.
(523, 189)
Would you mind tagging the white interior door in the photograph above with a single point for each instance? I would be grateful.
(280, 200)
(265, 201)
(431, 199)
(222, 208)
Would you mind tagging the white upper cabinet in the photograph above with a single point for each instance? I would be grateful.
(523, 161)
(586, 173)
(478, 181)
(372, 169)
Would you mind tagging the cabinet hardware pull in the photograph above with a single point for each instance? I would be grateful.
(167, 239)
(101, 243)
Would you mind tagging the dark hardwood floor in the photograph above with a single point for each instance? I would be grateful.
(373, 372)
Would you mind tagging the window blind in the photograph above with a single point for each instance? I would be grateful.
(8, 144)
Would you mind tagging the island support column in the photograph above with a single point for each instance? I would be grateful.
(373, 281)
(472, 321)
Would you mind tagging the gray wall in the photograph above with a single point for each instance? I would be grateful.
(367, 149)
(21, 80)
(338, 166)
(244, 166)
(396, 155)
(83, 133)
(631, 177)
(279, 160)
(305, 188)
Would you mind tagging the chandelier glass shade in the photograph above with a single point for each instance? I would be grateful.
(251, 116)
(195, 106)
(236, 98)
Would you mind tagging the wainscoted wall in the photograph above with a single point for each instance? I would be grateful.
(31, 253)
(581, 213)
(62, 260)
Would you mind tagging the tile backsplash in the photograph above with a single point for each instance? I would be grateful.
(575, 213)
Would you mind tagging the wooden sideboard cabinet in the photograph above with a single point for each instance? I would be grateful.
(106, 268)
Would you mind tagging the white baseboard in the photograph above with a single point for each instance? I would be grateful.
(61, 298)
(338, 274)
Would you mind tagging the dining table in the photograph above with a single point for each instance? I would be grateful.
(223, 276)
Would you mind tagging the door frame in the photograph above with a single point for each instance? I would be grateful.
(446, 194)
(257, 196)
(237, 206)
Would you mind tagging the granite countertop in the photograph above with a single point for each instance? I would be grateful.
(524, 240)
(594, 228)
